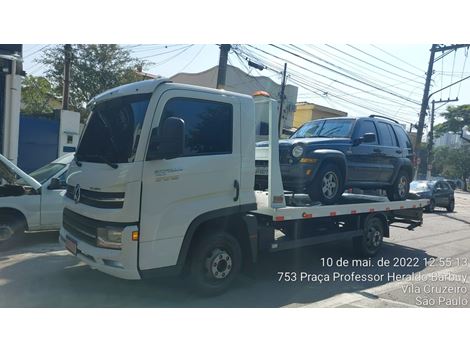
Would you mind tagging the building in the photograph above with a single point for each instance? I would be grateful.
(306, 112)
(451, 139)
(240, 82)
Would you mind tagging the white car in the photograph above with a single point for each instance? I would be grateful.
(31, 202)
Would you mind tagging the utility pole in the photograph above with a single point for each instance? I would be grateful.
(67, 62)
(431, 134)
(222, 72)
(281, 105)
(424, 104)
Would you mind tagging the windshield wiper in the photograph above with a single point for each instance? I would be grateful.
(102, 158)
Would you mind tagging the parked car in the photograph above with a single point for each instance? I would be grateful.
(31, 202)
(326, 156)
(440, 194)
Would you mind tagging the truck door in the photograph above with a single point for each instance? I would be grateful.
(176, 191)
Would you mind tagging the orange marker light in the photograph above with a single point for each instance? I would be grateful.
(135, 235)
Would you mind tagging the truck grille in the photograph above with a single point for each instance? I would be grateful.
(80, 226)
(106, 200)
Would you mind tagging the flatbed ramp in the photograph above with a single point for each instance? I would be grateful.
(350, 204)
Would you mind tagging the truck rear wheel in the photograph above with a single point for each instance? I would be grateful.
(215, 262)
(11, 231)
(369, 244)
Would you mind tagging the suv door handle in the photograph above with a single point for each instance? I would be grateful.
(377, 150)
(399, 151)
(236, 184)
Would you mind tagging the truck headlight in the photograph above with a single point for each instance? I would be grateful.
(109, 237)
(297, 151)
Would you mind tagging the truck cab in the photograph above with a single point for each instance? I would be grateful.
(156, 160)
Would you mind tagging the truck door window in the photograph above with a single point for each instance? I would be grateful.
(208, 125)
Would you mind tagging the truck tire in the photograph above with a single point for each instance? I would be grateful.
(432, 205)
(451, 206)
(328, 185)
(400, 188)
(11, 231)
(369, 244)
(215, 262)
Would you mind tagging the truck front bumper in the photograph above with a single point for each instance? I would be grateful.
(121, 263)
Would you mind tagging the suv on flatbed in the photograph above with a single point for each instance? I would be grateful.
(326, 156)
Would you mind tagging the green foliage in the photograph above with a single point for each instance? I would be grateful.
(94, 69)
(38, 96)
(452, 163)
(457, 117)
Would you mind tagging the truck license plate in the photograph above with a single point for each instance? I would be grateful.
(71, 246)
(261, 170)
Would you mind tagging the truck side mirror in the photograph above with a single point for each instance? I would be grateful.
(54, 184)
(167, 141)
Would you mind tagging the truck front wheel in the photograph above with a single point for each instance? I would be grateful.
(11, 231)
(215, 262)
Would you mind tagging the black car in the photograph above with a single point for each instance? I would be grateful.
(440, 194)
(326, 156)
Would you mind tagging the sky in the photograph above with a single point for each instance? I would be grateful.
(360, 79)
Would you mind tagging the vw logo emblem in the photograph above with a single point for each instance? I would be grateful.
(76, 193)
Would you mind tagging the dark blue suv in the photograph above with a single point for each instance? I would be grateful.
(324, 157)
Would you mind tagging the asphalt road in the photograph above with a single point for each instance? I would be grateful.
(433, 261)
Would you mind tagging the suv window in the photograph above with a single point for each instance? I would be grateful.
(385, 134)
(208, 125)
(445, 186)
(402, 137)
(366, 126)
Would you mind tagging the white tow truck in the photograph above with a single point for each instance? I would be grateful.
(163, 184)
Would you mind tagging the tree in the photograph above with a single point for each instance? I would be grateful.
(94, 69)
(453, 163)
(38, 96)
(457, 118)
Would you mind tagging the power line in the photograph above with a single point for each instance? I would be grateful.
(359, 75)
(194, 58)
(167, 52)
(396, 57)
(347, 76)
(37, 51)
(367, 69)
(329, 87)
(385, 62)
(371, 64)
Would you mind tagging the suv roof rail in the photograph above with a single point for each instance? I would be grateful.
(385, 117)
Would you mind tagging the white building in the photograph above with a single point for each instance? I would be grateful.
(452, 139)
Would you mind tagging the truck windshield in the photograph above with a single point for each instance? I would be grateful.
(331, 128)
(113, 130)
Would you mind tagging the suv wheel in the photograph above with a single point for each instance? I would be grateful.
(327, 186)
(400, 187)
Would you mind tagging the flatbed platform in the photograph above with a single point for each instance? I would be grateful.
(300, 207)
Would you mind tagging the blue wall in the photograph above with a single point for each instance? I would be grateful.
(38, 141)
